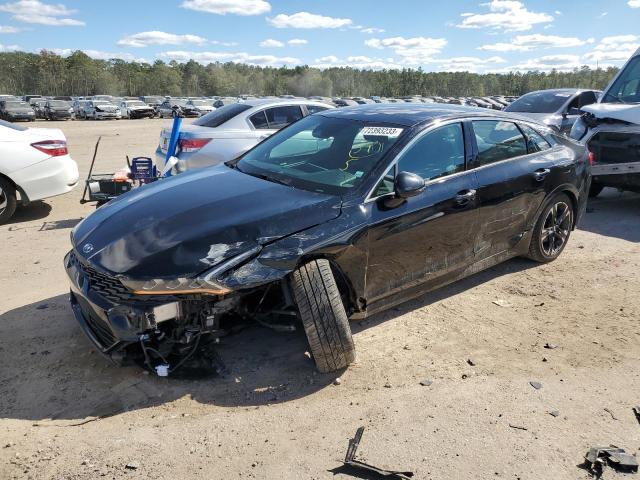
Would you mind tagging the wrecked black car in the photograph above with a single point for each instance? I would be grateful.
(338, 216)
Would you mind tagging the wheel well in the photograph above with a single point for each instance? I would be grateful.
(574, 204)
(342, 281)
(22, 195)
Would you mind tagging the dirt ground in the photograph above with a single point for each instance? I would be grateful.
(273, 416)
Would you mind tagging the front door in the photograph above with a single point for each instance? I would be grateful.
(432, 235)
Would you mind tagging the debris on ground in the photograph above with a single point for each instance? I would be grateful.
(350, 462)
(132, 466)
(471, 362)
(536, 385)
(598, 458)
(337, 381)
(554, 413)
(550, 346)
(501, 303)
(517, 427)
(426, 383)
(611, 413)
(636, 410)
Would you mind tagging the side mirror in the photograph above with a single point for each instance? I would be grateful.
(405, 185)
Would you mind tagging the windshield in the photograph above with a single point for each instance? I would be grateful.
(198, 102)
(59, 103)
(100, 102)
(322, 154)
(626, 88)
(539, 102)
(136, 103)
(17, 104)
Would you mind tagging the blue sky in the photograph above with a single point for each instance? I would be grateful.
(461, 35)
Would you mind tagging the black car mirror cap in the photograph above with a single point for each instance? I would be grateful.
(406, 185)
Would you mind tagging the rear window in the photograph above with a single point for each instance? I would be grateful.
(221, 115)
(12, 126)
(540, 102)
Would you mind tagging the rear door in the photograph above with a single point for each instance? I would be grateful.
(431, 236)
(513, 171)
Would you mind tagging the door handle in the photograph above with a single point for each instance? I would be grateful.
(541, 174)
(465, 196)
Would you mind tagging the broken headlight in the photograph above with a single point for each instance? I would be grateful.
(205, 283)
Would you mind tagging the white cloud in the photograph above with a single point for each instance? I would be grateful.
(98, 54)
(298, 41)
(468, 64)
(634, 3)
(359, 62)
(308, 20)
(234, 7)
(526, 43)
(562, 63)
(9, 29)
(507, 15)
(34, 11)
(240, 57)
(9, 48)
(618, 48)
(413, 51)
(372, 30)
(271, 43)
(144, 39)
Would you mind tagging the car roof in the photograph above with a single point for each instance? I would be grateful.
(259, 102)
(410, 114)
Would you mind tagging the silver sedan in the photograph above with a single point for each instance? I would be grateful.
(231, 130)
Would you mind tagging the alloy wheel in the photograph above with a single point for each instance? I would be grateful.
(4, 201)
(555, 229)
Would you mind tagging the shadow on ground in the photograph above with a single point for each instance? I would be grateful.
(50, 371)
(28, 213)
(614, 214)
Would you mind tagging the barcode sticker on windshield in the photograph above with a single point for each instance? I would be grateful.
(382, 131)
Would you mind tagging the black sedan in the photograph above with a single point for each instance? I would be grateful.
(340, 215)
(14, 110)
(58, 110)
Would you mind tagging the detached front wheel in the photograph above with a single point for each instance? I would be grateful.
(323, 316)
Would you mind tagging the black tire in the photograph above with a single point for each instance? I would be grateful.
(8, 202)
(595, 190)
(552, 230)
(323, 316)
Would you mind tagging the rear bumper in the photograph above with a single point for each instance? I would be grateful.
(48, 178)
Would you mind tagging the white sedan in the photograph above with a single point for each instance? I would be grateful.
(34, 164)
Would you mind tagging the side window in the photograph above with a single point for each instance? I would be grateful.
(386, 185)
(315, 109)
(587, 98)
(535, 141)
(259, 120)
(280, 117)
(498, 141)
(437, 154)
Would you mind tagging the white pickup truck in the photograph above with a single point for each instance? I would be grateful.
(611, 131)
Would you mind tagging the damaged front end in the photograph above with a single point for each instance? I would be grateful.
(167, 325)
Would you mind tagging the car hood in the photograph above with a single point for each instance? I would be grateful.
(185, 224)
(19, 109)
(616, 111)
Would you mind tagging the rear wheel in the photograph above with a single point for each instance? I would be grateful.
(323, 316)
(552, 230)
(8, 201)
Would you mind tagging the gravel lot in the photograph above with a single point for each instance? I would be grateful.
(273, 416)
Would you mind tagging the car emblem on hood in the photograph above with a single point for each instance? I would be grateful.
(88, 248)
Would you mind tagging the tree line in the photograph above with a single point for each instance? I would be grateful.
(47, 73)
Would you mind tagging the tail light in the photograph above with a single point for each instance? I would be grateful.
(592, 158)
(188, 145)
(53, 148)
